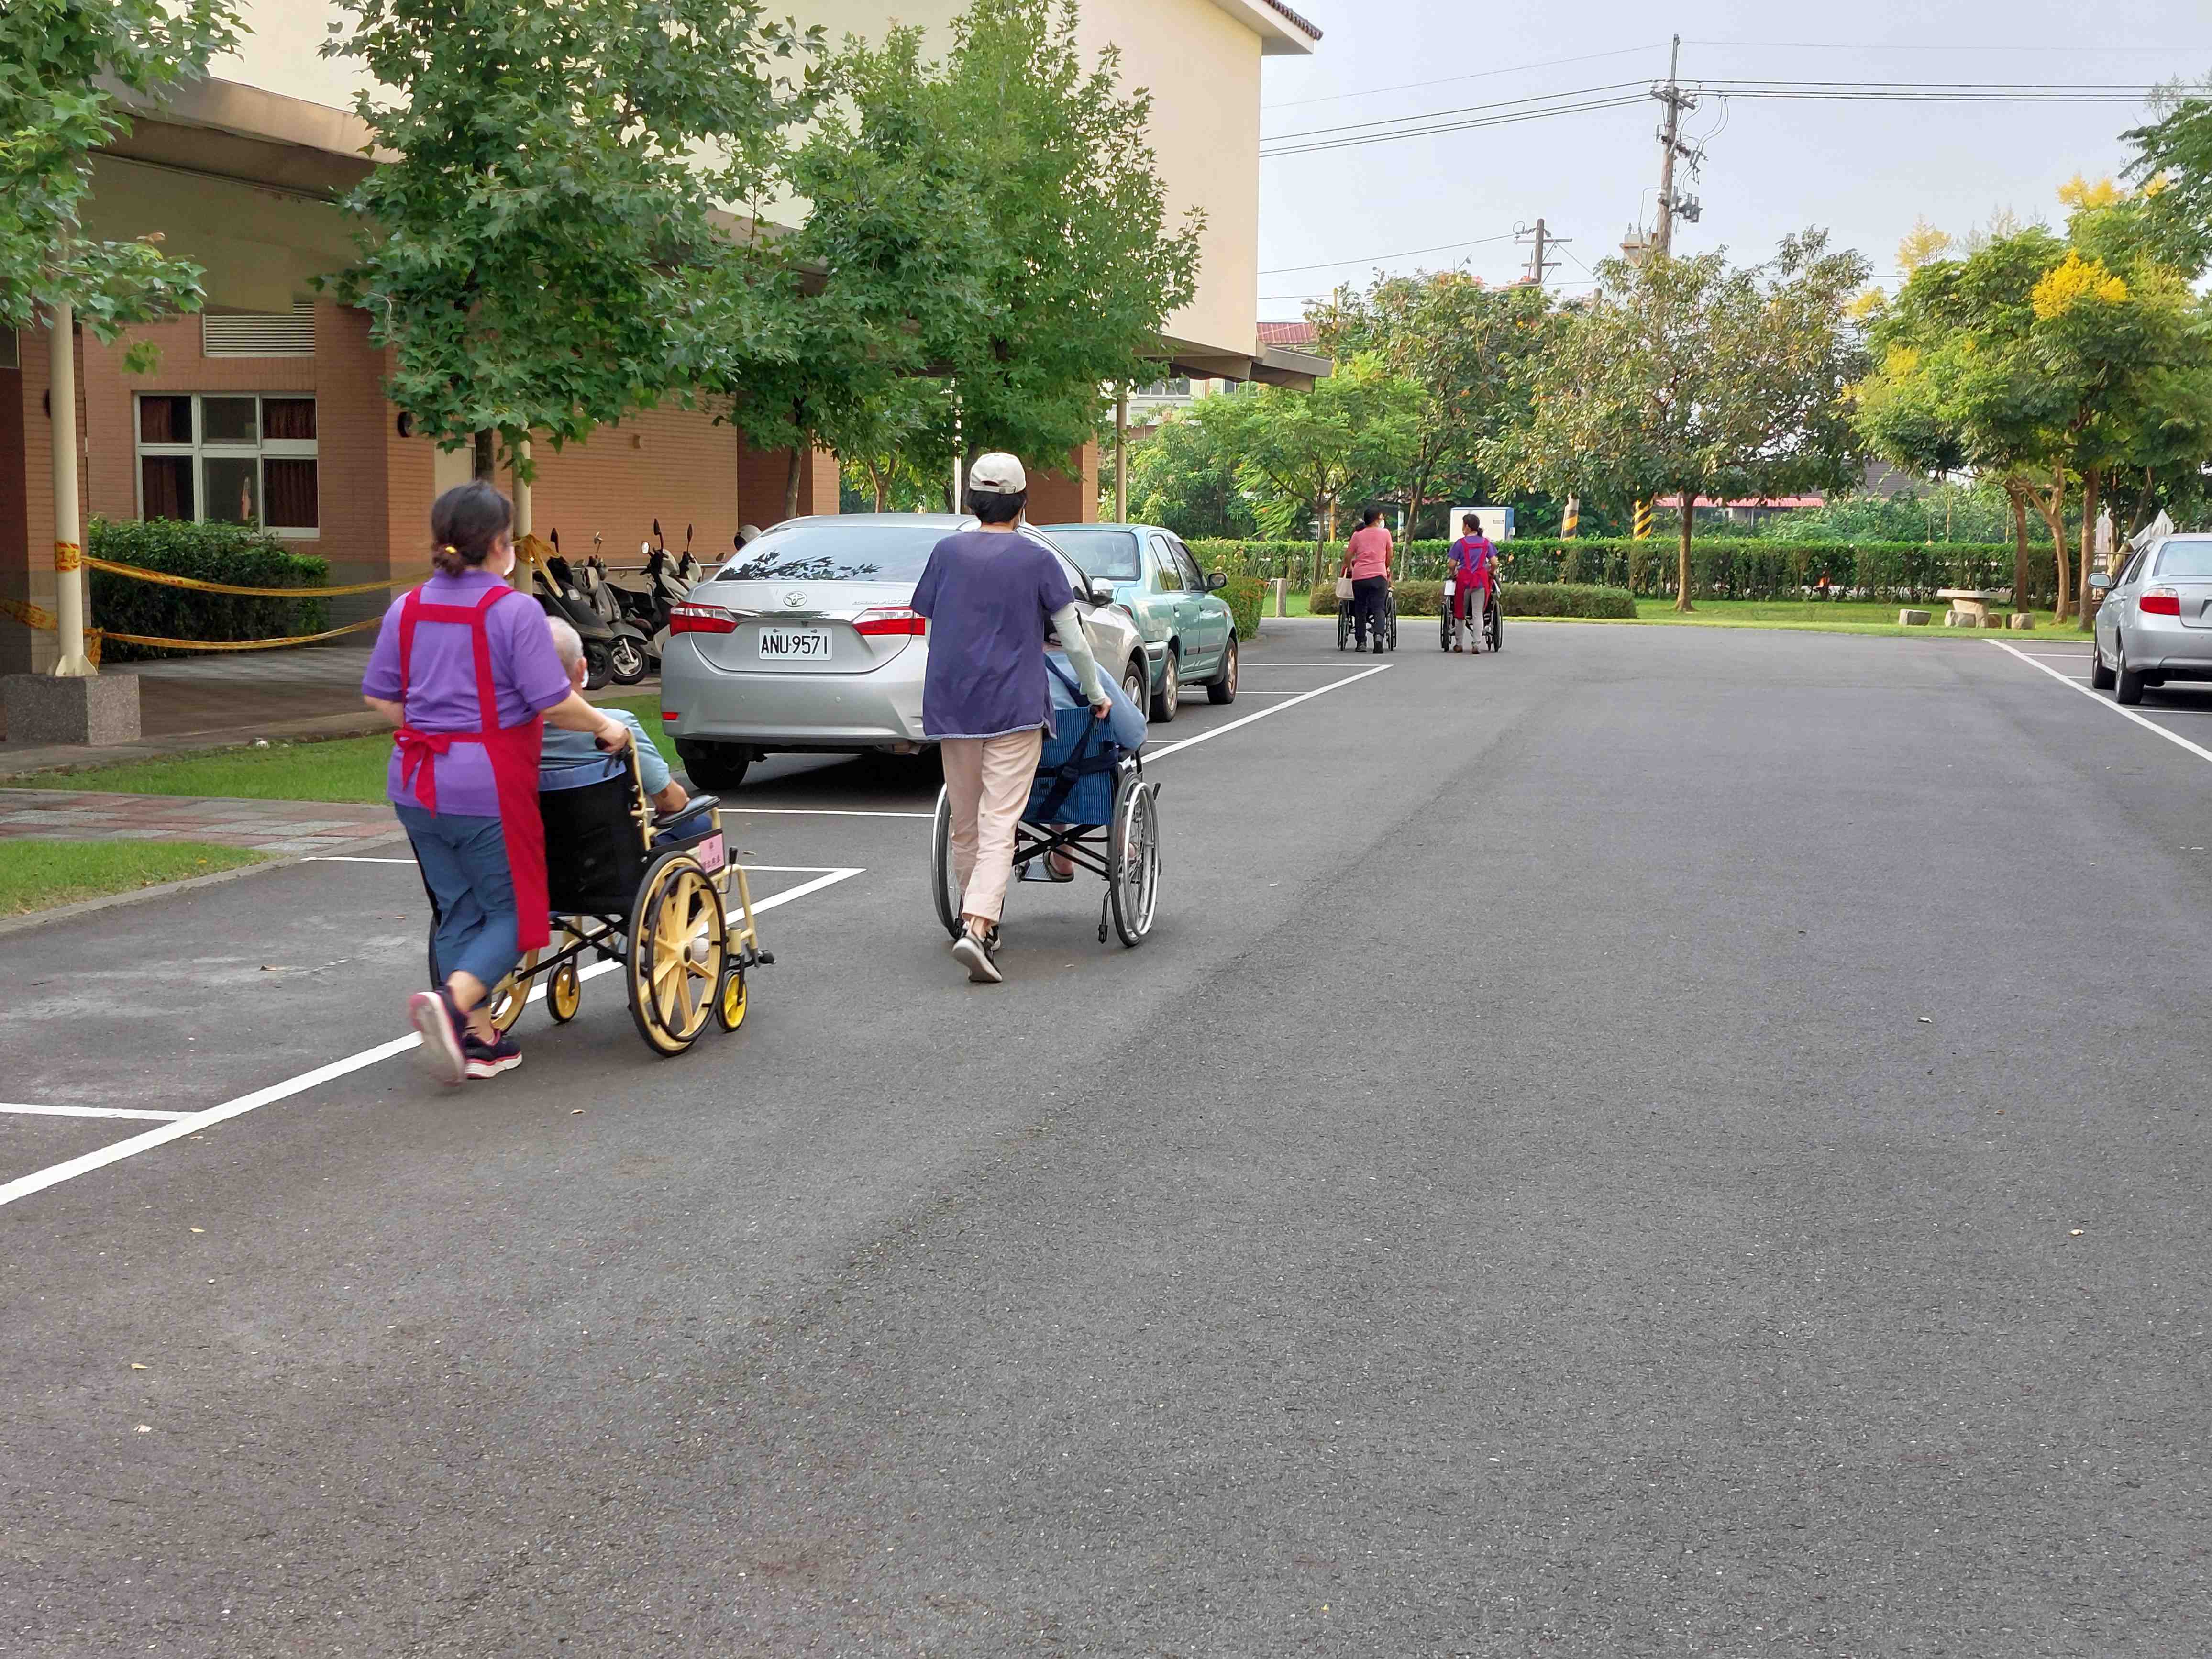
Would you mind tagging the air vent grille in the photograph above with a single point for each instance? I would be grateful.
(259, 334)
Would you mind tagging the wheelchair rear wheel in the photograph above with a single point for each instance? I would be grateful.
(1343, 624)
(1493, 625)
(942, 886)
(1132, 859)
(677, 950)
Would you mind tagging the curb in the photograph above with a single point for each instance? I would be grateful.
(140, 894)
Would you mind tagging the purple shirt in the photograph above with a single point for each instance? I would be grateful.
(441, 697)
(989, 595)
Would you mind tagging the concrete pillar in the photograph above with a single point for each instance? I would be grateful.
(68, 530)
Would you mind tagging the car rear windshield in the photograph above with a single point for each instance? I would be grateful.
(2190, 558)
(1109, 555)
(837, 553)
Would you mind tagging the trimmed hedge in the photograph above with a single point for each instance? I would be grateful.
(1244, 596)
(212, 552)
(1720, 569)
(1420, 599)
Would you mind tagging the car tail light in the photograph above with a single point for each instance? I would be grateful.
(891, 619)
(2160, 602)
(700, 619)
(671, 716)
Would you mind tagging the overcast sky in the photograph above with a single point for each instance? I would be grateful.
(1864, 170)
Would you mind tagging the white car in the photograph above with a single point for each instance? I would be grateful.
(808, 642)
(2156, 623)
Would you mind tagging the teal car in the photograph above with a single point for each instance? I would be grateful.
(1190, 637)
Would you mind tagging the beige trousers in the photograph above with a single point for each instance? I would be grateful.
(988, 780)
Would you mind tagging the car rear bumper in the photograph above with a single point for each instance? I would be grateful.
(2165, 645)
(830, 712)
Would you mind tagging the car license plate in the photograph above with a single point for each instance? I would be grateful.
(785, 643)
(709, 852)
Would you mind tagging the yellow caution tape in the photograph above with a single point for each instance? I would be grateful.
(66, 556)
(29, 614)
(233, 645)
(139, 573)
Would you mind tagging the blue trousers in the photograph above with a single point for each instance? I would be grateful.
(463, 863)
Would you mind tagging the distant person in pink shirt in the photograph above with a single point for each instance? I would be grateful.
(1367, 561)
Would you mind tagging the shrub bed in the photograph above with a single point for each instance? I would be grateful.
(1245, 596)
(1720, 569)
(1422, 598)
(211, 552)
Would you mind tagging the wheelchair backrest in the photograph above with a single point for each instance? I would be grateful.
(595, 848)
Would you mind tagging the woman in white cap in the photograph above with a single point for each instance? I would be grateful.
(990, 595)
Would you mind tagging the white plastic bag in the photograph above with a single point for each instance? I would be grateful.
(1344, 588)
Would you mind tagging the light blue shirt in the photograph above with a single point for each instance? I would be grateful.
(566, 748)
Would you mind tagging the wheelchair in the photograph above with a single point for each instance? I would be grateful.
(1493, 620)
(654, 902)
(1090, 804)
(1388, 624)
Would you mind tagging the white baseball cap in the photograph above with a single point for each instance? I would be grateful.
(998, 472)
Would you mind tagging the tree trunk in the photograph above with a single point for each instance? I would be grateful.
(485, 456)
(2089, 479)
(2020, 599)
(1682, 557)
(1321, 536)
(2052, 509)
(794, 472)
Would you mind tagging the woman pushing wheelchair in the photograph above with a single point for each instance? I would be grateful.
(1473, 585)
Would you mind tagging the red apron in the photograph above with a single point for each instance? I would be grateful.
(514, 751)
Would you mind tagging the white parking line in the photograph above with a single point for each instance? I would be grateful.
(1167, 749)
(87, 1111)
(2174, 738)
(825, 812)
(192, 1122)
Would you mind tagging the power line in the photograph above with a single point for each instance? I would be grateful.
(1403, 253)
(1440, 114)
(1980, 48)
(1453, 80)
(1457, 127)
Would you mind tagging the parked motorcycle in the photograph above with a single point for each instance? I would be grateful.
(615, 650)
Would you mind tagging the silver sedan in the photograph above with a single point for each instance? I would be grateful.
(807, 643)
(2156, 623)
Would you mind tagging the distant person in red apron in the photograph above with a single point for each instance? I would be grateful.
(465, 666)
(1475, 566)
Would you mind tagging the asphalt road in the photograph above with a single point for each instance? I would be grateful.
(1661, 1141)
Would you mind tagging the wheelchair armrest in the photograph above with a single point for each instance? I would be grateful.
(696, 804)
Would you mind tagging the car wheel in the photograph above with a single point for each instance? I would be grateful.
(1222, 688)
(2128, 685)
(1136, 682)
(714, 766)
(2100, 673)
(1170, 692)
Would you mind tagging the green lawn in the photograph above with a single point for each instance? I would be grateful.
(341, 769)
(1827, 617)
(37, 875)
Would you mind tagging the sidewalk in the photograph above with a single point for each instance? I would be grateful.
(219, 702)
(262, 826)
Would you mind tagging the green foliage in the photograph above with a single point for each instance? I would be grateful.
(1244, 596)
(2173, 162)
(1181, 478)
(535, 255)
(1470, 351)
(36, 873)
(1296, 453)
(56, 57)
(1684, 377)
(211, 552)
(1426, 599)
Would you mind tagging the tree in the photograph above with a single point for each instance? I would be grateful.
(535, 255)
(1957, 385)
(1682, 374)
(57, 60)
(1073, 266)
(1297, 452)
(1470, 349)
(2173, 166)
(1181, 478)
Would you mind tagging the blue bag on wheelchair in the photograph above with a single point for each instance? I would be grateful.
(1075, 772)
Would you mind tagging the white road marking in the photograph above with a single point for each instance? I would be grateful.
(340, 858)
(2174, 738)
(825, 812)
(88, 1111)
(1167, 749)
(191, 1123)
(776, 869)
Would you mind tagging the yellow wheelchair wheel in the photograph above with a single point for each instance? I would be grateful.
(505, 1000)
(677, 949)
(564, 992)
(730, 1003)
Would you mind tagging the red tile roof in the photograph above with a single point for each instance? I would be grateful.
(1278, 5)
(1748, 501)
(1286, 334)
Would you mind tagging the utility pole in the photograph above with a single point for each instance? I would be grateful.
(1543, 240)
(1670, 146)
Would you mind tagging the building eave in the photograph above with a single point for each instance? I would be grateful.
(1282, 32)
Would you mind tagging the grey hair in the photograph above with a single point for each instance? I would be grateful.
(567, 644)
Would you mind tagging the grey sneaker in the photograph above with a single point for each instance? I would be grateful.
(975, 955)
(440, 1024)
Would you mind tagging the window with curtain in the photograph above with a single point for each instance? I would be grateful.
(230, 458)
